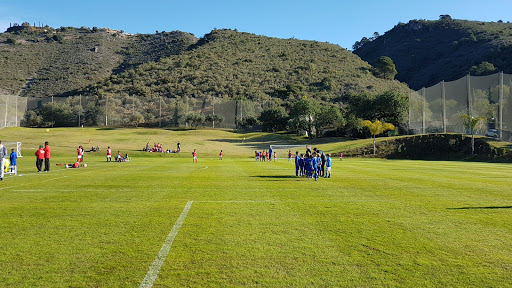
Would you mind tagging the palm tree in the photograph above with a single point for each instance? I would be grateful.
(377, 128)
(470, 123)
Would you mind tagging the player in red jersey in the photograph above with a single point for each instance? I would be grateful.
(194, 156)
(220, 154)
(109, 154)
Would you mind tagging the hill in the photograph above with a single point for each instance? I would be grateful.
(50, 62)
(56, 62)
(427, 52)
(227, 63)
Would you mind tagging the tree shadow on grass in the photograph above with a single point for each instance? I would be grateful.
(486, 207)
(275, 177)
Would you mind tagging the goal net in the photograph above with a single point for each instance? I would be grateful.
(13, 145)
(282, 150)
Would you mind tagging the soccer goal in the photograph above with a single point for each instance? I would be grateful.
(282, 150)
(13, 145)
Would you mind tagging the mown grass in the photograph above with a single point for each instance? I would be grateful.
(374, 223)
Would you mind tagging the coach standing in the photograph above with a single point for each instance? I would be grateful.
(3, 154)
(46, 157)
(39, 158)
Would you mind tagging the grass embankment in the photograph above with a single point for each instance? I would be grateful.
(374, 223)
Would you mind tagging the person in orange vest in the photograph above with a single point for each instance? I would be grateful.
(109, 154)
(46, 157)
(39, 158)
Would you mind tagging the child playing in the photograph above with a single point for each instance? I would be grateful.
(256, 155)
(13, 158)
(220, 154)
(341, 156)
(328, 164)
(109, 154)
(194, 156)
(275, 156)
(301, 164)
(297, 163)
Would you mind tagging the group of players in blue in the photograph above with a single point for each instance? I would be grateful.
(313, 164)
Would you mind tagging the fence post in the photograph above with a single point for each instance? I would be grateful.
(443, 93)
(468, 91)
(501, 107)
(424, 103)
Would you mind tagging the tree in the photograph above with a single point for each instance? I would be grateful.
(484, 68)
(377, 128)
(445, 17)
(32, 119)
(302, 114)
(384, 68)
(214, 118)
(273, 119)
(136, 119)
(470, 123)
(327, 116)
(390, 106)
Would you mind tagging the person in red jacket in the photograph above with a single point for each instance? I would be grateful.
(47, 155)
(39, 158)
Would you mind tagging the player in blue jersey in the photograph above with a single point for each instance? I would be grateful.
(297, 163)
(307, 166)
(317, 165)
(328, 165)
(301, 164)
(14, 159)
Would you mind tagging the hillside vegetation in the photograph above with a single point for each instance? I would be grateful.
(427, 52)
(52, 62)
(223, 63)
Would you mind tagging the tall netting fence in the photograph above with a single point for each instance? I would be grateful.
(12, 110)
(440, 108)
(112, 110)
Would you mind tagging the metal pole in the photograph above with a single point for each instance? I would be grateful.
(409, 116)
(468, 91)
(6, 106)
(80, 111)
(53, 119)
(501, 107)
(16, 97)
(106, 111)
(424, 103)
(213, 109)
(443, 93)
(160, 119)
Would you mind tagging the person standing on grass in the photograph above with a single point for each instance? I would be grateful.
(328, 165)
(47, 157)
(3, 154)
(341, 156)
(39, 158)
(79, 154)
(14, 159)
(109, 154)
(297, 163)
(194, 156)
(220, 154)
(270, 153)
(301, 164)
(321, 154)
(290, 156)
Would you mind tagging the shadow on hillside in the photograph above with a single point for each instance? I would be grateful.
(487, 207)
(106, 128)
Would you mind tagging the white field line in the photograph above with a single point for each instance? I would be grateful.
(152, 274)
(55, 178)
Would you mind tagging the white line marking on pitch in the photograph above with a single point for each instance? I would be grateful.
(152, 274)
(55, 178)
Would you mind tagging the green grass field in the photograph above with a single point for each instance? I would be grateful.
(374, 223)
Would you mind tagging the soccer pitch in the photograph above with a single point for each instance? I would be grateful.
(162, 221)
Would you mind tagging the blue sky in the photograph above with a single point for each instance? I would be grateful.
(339, 22)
